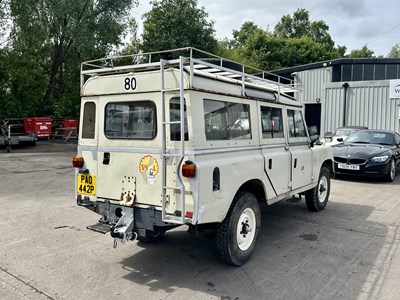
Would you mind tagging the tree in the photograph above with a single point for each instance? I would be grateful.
(52, 37)
(268, 52)
(134, 44)
(395, 51)
(4, 24)
(364, 52)
(300, 26)
(244, 33)
(294, 41)
(174, 24)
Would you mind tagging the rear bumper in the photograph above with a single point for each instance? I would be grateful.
(143, 218)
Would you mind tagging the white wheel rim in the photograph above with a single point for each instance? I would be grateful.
(246, 229)
(322, 189)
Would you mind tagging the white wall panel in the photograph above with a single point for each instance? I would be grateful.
(367, 102)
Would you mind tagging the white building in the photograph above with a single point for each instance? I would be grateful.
(344, 92)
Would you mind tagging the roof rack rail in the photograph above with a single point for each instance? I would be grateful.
(196, 62)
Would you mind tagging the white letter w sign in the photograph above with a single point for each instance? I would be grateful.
(395, 89)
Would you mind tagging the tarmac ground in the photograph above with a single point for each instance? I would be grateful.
(348, 251)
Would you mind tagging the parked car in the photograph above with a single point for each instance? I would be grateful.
(372, 153)
(340, 134)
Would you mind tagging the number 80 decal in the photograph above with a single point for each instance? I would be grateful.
(130, 83)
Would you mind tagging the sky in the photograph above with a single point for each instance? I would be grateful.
(352, 23)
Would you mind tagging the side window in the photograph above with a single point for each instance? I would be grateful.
(89, 120)
(175, 115)
(296, 124)
(226, 120)
(271, 122)
(130, 120)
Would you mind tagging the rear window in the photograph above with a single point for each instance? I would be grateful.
(131, 120)
(89, 120)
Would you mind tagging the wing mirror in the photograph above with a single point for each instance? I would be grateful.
(314, 134)
(328, 136)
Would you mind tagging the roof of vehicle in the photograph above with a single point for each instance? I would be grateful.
(255, 83)
(378, 130)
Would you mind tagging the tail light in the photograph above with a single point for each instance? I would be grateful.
(188, 214)
(78, 161)
(189, 169)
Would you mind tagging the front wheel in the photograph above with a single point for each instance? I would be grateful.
(391, 173)
(317, 197)
(237, 234)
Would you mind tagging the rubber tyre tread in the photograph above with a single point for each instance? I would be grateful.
(151, 236)
(312, 201)
(388, 175)
(227, 248)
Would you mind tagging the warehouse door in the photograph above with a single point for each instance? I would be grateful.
(313, 115)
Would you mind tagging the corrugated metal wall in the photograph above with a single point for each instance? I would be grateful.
(332, 108)
(312, 82)
(367, 102)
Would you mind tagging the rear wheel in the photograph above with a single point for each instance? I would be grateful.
(152, 236)
(237, 234)
(317, 197)
(391, 173)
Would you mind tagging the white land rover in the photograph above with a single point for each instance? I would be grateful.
(183, 137)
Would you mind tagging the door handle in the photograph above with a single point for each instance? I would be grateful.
(295, 163)
(106, 158)
(270, 164)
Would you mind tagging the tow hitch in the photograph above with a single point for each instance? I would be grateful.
(123, 230)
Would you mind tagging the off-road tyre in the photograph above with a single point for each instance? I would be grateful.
(391, 173)
(317, 197)
(236, 241)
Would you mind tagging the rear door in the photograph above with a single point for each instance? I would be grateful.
(128, 158)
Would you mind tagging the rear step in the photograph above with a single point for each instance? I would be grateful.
(100, 227)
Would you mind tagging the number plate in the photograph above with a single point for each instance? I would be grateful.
(348, 167)
(86, 184)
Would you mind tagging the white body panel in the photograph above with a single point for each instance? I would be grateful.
(281, 166)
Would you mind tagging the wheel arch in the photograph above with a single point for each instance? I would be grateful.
(254, 186)
(329, 165)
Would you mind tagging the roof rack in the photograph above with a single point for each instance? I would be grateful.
(196, 62)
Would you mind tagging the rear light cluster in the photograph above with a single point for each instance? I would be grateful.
(188, 214)
(189, 169)
(78, 161)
